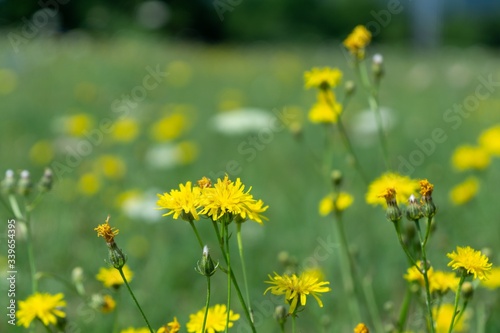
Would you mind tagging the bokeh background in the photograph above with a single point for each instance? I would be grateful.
(224, 71)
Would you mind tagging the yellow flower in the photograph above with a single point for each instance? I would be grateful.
(111, 166)
(169, 127)
(183, 202)
(357, 40)
(136, 330)
(489, 140)
(296, 288)
(229, 197)
(108, 304)
(471, 261)
(469, 157)
(442, 318)
(426, 188)
(111, 278)
(493, 280)
(361, 328)
(89, 184)
(125, 130)
(216, 319)
(442, 282)
(403, 185)
(43, 306)
(42, 152)
(106, 231)
(322, 78)
(465, 191)
(331, 202)
(325, 113)
(414, 275)
(78, 124)
(172, 327)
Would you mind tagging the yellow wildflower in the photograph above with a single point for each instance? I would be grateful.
(184, 202)
(465, 191)
(78, 124)
(136, 330)
(489, 140)
(111, 166)
(216, 319)
(108, 304)
(332, 202)
(471, 261)
(172, 327)
(125, 130)
(442, 318)
(89, 184)
(402, 185)
(43, 306)
(322, 78)
(169, 127)
(493, 280)
(469, 157)
(357, 40)
(106, 231)
(111, 278)
(361, 328)
(442, 282)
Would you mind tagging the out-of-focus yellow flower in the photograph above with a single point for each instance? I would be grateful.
(231, 99)
(169, 127)
(42, 306)
(89, 184)
(465, 191)
(357, 40)
(471, 261)
(8, 81)
(469, 157)
(172, 327)
(111, 166)
(442, 318)
(108, 304)
(361, 328)
(125, 130)
(442, 282)
(85, 92)
(78, 124)
(322, 78)
(403, 185)
(42, 152)
(216, 319)
(493, 280)
(136, 330)
(414, 275)
(111, 278)
(326, 109)
(179, 73)
(188, 152)
(489, 140)
(331, 202)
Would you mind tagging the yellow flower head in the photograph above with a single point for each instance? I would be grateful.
(229, 197)
(204, 182)
(108, 304)
(333, 202)
(172, 327)
(361, 328)
(442, 317)
(169, 127)
(465, 191)
(106, 231)
(402, 185)
(414, 275)
(111, 277)
(136, 330)
(111, 166)
(426, 188)
(493, 281)
(468, 157)
(325, 113)
(322, 78)
(216, 320)
(125, 130)
(471, 261)
(441, 282)
(78, 124)
(41, 306)
(184, 202)
(357, 40)
(489, 140)
(296, 288)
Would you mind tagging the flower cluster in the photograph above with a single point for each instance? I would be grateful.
(326, 109)
(357, 41)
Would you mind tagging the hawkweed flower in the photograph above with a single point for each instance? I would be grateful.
(404, 187)
(216, 319)
(443, 315)
(335, 202)
(111, 278)
(204, 182)
(441, 282)
(493, 281)
(428, 207)
(229, 198)
(489, 140)
(361, 328)
(183, 202)
(393, 213)
(116, 256)
(322, 78)
(171, 327)
(469, 157)
(357, 40)
(103, 303)
(42, 306)
(470, 261)
(297, 288)
(326, 109)
(465, 191)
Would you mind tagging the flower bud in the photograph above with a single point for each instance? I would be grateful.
(8, 183)
(46, 181)
(350, 88)
(280, 314)
(336, 177)
(467, 290)
(378, 66)
(24, 184)
(206, 266)
(116, 256)
(413, 212)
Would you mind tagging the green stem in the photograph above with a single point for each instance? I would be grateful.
(135, 299)
(242, 259)
(403, 312)
(348, 145)
(196, 233)
(425, 271)
(15, 207)
(400, 239)
(457, 299)
(293, 323)
(235, 282)
(372, 305)
(428, 230)
(207, 304)
(229, 270)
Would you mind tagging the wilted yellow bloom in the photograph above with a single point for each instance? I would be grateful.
(403, 186)
(322, 78)
(471, 261)
(172, 327)
(357, 40)
(442, 319)
(42, 306)
(465, 191)
(489, 140)
(125, 130)
(340, 202)
(469, 157)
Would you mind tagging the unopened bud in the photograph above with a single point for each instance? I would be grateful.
(46, 181)
(378, 66)
(206, 266)
(116, 256)
(413, 212)
(467, 290)
(337, 178)
(280, 314)
(24, 184)
(9, 182)
(350, 87)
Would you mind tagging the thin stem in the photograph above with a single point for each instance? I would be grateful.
(135, 299)
(403, 312)
(226, 241)
(207, 304)
(428, 230)
(293, 323)
(372, 305)
(196, 233)
(242, 259)
(15, 207)
(348, 145)
(400, 239)
(457, 299)
(235, 282)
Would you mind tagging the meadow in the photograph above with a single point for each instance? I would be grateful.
(178, 128)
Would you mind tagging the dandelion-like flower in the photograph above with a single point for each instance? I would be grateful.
(297, 288)
(228, 197)
(322, 78)
(183, 202)
(106, 231)
(361, 328)
(404, 186)
(357, 40)
(465, 191)
(468, 157)
(43, 306)
(216, 320)
(442, 319)
(471, 261)
(111, 278)
(441, 282)
(172, 327)
(108, 304)
(332, 202)
(489, 140)
(493, 281)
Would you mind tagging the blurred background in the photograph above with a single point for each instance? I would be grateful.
(126, 101)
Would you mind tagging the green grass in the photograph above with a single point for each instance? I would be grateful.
(418, 87)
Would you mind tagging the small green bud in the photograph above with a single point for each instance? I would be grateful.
(378, 66)
(9, 182)
(350, 88)
(413, 212)
(24, 185)
(46, 181)
(116, 256)
(337, 178)
(206, 266)
(280, 314)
